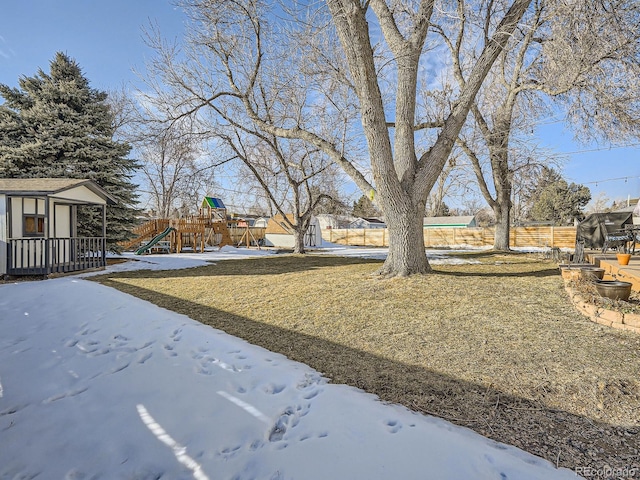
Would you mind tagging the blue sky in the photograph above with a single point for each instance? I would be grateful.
(106, 39)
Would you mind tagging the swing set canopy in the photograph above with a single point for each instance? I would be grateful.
(212, 202)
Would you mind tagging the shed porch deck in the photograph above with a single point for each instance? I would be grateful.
(43, 256)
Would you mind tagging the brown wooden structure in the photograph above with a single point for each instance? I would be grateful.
(197, 232)
(538, 236)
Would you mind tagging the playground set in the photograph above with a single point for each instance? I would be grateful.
(212, 227)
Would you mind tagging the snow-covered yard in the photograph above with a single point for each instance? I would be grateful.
(98, 384)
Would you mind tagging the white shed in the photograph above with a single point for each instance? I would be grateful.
(329, 221)
(38, 226)
(261, 222)
(279, 234)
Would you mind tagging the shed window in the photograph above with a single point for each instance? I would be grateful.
(33, 225)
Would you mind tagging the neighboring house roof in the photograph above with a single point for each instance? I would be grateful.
(212, 202)
(277, 224)
(459, 221)
(50, 186)
(373, 220)
(370, 221)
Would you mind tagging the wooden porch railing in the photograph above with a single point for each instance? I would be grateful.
(41, 256)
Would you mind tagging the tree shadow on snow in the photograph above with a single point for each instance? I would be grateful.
(565, 439)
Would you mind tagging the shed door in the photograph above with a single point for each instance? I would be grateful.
(62, 221)
(61, 245)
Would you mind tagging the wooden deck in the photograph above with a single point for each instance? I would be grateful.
(608, 261)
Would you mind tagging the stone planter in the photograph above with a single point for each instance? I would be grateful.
(614, 289)
(572, 271)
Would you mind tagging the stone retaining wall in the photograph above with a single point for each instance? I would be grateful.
(610, 318)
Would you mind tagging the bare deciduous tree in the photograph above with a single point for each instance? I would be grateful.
(240, 49)
(176, 172)
(176, 178)
(583, 54)
(600, 204)
(289, 172)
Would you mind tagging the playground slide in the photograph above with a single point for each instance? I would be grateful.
(154, 240)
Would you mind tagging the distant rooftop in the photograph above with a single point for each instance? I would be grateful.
(454, 221)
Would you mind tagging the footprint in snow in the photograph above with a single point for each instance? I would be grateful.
(312, 394)
(394, 426)
(230, 452)
(118, 368)
(102, 351)
(255, 445)
(280, 428)
(145, 357)
(86, 348)
(169, 349)
(175, 335)
(274, 389)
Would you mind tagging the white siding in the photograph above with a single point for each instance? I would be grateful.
(286, 240)
(279, 240)
(80, 194)
(29, 206)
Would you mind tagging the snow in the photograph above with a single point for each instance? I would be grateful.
(95, 383)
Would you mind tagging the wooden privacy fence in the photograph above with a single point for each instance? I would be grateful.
(539, 236)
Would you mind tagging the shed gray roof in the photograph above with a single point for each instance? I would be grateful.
(49, 186)
(460, 220)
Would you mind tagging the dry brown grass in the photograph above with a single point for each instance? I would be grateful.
(495, 346)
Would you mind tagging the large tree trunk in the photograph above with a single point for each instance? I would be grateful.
(406, 241)
(298, 242)
(503, 219)
(502, 180)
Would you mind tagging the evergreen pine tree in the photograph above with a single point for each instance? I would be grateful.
(553, 199)
(55, 125)
(364, 208)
